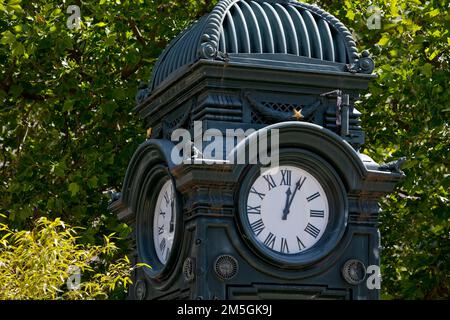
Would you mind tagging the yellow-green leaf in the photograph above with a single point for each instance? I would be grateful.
(433, 13)
(350, 14)
(383, 41)
(433, 55)
(8, 37)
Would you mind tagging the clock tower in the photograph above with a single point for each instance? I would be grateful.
(212, 227)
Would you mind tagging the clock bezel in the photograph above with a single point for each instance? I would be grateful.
(153, 182)
(337, 202)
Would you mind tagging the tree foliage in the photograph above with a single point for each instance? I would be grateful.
(67, 97)
(406, 112)
(47, 263)
(67, 130)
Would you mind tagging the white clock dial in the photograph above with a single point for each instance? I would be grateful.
(287, 210)
(164, 222)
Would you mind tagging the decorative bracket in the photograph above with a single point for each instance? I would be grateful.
(208, 50)
(304, 114)
(394, 166)
(342, 111)
(168, 128)
(365, 64)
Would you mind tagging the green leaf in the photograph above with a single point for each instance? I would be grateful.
(434, 13)
(14, 5)
(93, 182)
(8, 37)
(74, 189)
(433, 55)
(18, 28)
(427, 70)
(17, 49)
(384, 40)
(109, 108)
(111, 40)
(68, 105)
(350, 14)
(394, 7)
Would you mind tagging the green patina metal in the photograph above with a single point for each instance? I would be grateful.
(282, 31)
(262, 64)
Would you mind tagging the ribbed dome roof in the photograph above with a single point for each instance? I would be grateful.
(257, 27)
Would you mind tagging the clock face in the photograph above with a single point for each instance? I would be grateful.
(287, 210)
(164, 222)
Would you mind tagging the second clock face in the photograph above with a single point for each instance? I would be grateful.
(288, 210)
(164, 221)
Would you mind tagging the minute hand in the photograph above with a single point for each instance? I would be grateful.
(298, 186)
(172, 217)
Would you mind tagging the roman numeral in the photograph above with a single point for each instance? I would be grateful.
(270, 181)
(161, 230)
(284, 246)
(162, 244)
(312, 230)
(253, 210)
(270, 240)
(261, 195)
(312, 197)
(258, 227)
(163, 214)
(286, 179)
(166, 197)
(317, 214)
(301, 246)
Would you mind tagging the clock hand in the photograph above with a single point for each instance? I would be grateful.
(298, 186)
(286, 207)
(172, 217)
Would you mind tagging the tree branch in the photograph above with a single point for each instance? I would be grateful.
(137, 33)
(127, 71)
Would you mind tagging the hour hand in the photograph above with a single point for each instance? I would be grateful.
(287, 205)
